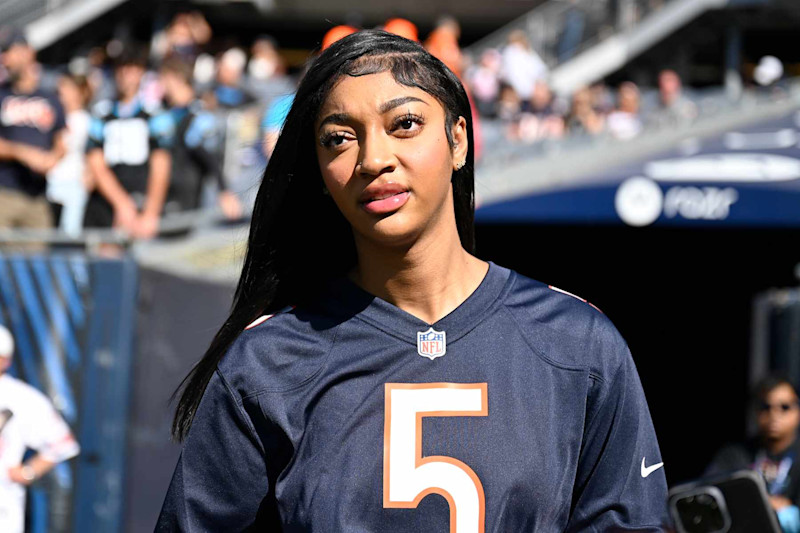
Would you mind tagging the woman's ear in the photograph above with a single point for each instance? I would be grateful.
(460, 143)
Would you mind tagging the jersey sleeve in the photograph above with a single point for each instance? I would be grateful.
(203, 138)
(619, 484)
(161, 128)
(96, 135)
(221, 477)
(277, 112)
(46, 432)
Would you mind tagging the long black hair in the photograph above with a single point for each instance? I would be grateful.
(298, 237)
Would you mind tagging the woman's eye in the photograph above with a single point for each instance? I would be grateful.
(333, 140)
(408, 122)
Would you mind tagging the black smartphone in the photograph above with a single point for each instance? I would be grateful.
(736, 502)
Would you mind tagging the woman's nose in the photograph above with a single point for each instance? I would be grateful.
(377, 154)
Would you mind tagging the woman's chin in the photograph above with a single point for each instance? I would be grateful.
(393, 230)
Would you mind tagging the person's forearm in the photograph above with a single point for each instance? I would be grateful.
(158, 183)
(7, 150)
(39, 465)
(107, 183)
(35, 158)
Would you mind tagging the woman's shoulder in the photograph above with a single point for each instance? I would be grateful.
(565, 328)
(279, 351)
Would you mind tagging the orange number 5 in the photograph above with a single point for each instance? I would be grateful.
(407, 476)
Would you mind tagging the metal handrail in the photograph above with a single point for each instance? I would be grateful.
(172, 223)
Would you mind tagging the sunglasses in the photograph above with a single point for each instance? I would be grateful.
(782, 407)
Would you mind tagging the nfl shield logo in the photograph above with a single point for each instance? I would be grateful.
(430, 343)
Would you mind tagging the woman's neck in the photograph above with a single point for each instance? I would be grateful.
(428, 279)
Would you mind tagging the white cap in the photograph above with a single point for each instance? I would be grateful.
(769, 70)
(6, 342)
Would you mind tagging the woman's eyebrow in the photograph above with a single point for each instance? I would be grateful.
(341, 118)
(391, 104)
(336, 118)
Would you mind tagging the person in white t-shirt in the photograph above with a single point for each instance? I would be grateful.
(27, 420)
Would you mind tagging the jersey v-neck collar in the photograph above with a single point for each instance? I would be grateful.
(350, 298)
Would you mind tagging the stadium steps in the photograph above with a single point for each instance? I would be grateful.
(614, 52)
(581, 49)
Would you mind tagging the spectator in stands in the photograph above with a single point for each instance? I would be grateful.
(67, 181)
(509, 105)
(674, 108)
(266, 71)
(186, 35)
(624, 122)
(128, 157)
(774, 452)
(573, 32)
(484, 80)
(273, 120)
(336, 33)
(442, 43)
(275, 115)
(196, 144)
(230, 91)
(28, 420)
(32, 137)
(541, 120)
(521, 66)
(403, 28)
(100, 75)
(602, 99)
(582, 118)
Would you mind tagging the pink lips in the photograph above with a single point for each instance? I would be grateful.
(386, 205)
(383, 197)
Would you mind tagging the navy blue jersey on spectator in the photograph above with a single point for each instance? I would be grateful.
(522, 408)
(33, 119)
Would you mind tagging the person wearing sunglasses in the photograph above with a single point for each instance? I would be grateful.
(774, 451)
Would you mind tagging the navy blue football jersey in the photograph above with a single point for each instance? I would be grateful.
(519, 411)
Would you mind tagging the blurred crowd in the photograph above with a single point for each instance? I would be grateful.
(511, 85)
(125, 133)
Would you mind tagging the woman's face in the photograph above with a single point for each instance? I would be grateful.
(69, 94)
(377, 138)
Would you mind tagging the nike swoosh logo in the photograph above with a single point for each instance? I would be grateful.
(647, 470)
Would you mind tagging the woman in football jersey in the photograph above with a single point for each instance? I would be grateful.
(361, 310)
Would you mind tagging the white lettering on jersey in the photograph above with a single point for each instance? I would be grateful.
(34, 112)
(407, 476)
